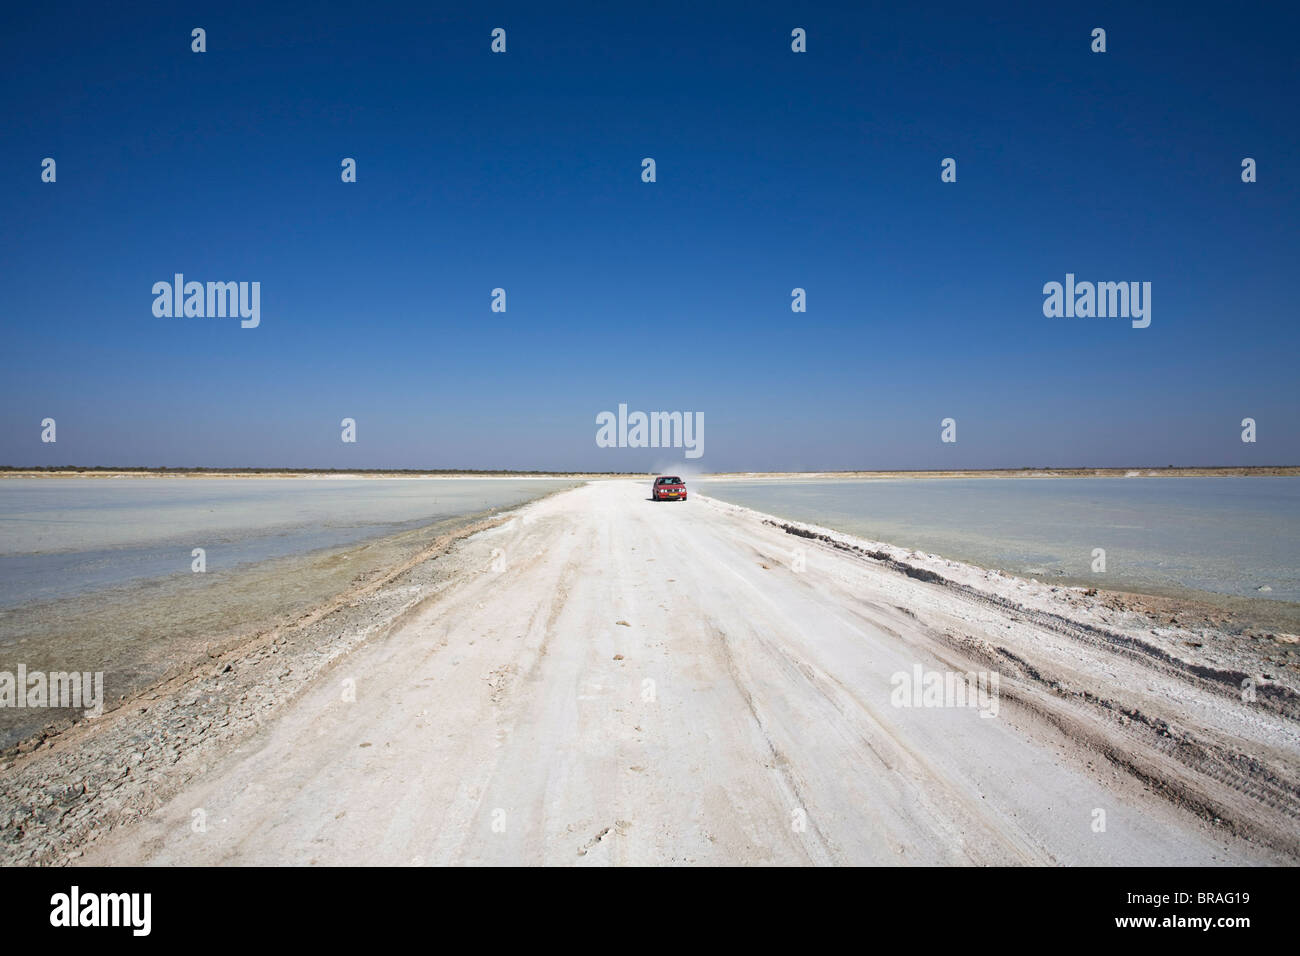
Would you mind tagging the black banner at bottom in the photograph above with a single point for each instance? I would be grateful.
(333, 906)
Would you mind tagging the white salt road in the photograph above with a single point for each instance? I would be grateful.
(649, 683)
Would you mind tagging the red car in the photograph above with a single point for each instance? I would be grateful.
(668, 489)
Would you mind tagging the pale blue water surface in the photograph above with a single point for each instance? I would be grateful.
(1229, 536)
(61, 537)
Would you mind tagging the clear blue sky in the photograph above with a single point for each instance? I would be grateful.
(775, 170)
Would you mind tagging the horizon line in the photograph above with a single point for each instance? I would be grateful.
(253, 469)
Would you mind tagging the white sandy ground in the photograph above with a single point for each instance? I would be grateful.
(512, 719)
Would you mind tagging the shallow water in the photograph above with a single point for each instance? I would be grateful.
(67, 536)
(95, 574)
(1227, 536)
